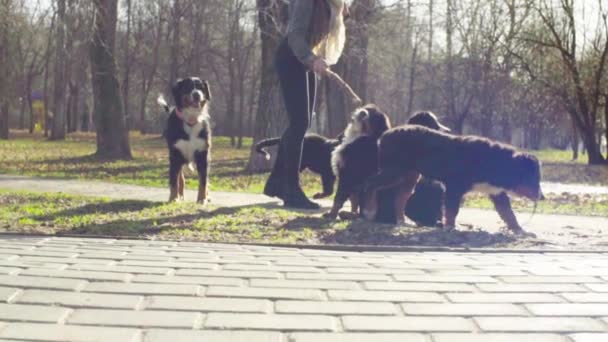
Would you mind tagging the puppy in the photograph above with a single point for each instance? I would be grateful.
(354, 160)
(462, 163)
(316, 157)
(425, 207)
(188, 135)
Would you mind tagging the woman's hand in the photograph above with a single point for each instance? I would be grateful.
(319, 66)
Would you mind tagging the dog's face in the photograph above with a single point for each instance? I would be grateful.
(192, 97)
(529, 171)
(367, 120)
(428, 120)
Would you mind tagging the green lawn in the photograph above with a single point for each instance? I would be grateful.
(28, 213)
(34, 156)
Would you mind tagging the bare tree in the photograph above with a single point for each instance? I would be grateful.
(112, 134)
(270, 116)
(58, 129)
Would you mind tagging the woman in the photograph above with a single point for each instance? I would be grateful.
(315, 39)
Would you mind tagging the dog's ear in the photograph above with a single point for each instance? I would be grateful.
(176, 95)
(207, 90)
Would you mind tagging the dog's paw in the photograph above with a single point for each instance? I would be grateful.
(202, 201)
(330, 215)
(348, 215)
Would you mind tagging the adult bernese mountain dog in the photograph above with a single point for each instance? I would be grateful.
(462, 163)
(353, 161)
(316, 157)
(188, 135)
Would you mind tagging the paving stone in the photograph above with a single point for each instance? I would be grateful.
(410, 323)
(271, 268)
(335, 308)
(423, 287)
(85, 275)
(68, 261)
(350, 270)
(155, 335)
(208, 304)
(32, 313)
(589, 337)
(588, 297)
(6, 293)
(481, 272)
(66, 333)
(515, 298)
(551, 280)
(9, 270)
(549, 288)
(260, 292)
(598, 287)
(228, 274)
(444, 279)
(567, 309)
(79, 299)
(385, 296)
(39, 253)
(305, 284)
(123, 318)
(122, 269)
(449, 309)
(337, 276)
(498, 338)
(539, 324)
(357, 337)
(270, 322)
(143, 289)
(168, 264)
(31, 264)
(144, 278)
(38, 283)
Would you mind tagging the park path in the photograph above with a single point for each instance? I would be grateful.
(78, 289)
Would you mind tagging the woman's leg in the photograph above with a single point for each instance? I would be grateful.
(298, 93)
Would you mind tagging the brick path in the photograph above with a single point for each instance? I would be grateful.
(64, 289)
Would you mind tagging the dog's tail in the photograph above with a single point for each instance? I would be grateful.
(259, 147)
(163, 103)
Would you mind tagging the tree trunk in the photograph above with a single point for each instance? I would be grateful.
(127, 69)
(112, 135)
(270, 117)
(4, 131)
(59, 106)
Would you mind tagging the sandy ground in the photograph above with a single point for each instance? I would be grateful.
(552, 231)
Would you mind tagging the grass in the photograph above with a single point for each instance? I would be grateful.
(22, 212)
(72, 159)
(29, 213)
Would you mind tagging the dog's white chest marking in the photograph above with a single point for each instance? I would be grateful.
(352, 132)
(194, 144)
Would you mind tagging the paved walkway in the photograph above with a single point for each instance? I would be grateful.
(64, 289)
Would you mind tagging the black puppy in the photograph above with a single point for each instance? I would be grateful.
(188, 135)
(462, 163)
(316, 157)
(425, 207)
(354, 160)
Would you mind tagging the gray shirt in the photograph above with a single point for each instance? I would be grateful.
(298, 28)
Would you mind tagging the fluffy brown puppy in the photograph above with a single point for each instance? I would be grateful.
(462, 163)
(355, 159)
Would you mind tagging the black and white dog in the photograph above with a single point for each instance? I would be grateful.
(188, 135)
